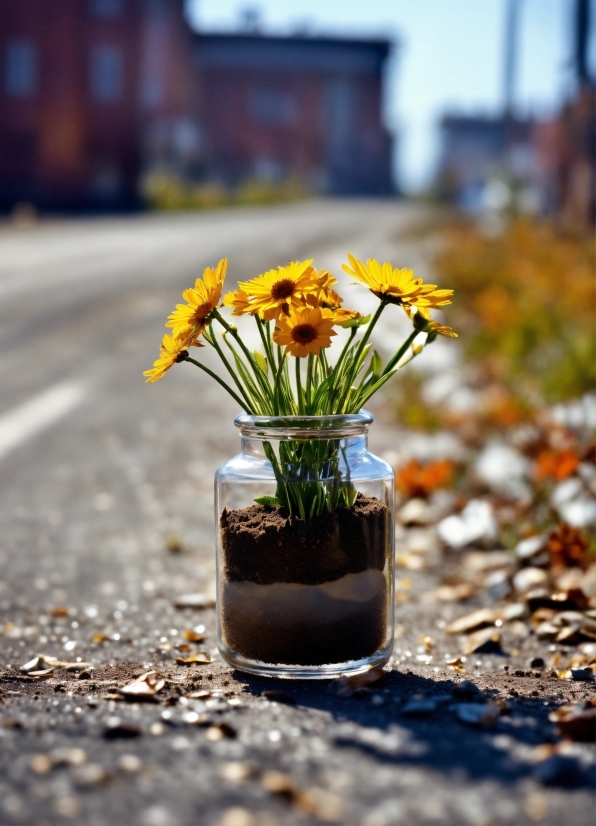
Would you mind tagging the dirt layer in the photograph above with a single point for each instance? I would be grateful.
(272, 609)
(263, 545)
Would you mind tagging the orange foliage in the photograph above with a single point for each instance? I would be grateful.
(567, 547)
(555, 464)
(418, 480)
(525, 306)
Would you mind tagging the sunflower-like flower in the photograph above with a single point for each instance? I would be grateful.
(172, 351)
(239, 301)
(396, 286)
(328, 299)
(280, 291)
(305, 331)
(189, 320)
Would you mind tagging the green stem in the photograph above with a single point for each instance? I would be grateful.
(266, 342)
(299, 393)
(395, 359)
(213, 342)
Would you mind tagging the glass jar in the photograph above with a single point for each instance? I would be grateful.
(305, 548)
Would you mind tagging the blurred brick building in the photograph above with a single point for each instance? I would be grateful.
(96, 93)
(83, 85)
(301, 106)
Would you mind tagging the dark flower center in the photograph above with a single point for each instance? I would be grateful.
(283, 289)
(182, 356)
(201, 314)
(304, 333)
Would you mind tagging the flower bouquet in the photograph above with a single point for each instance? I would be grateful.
(304, 513)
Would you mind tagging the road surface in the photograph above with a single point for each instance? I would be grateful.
(100, 473)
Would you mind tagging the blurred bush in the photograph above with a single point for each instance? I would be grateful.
(162, 191)
(524, 307)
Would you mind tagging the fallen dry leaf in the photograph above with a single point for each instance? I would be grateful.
(144, 688)
(36, 664)
(59, 611)
(457, 664)
(192, 636)
(454, 593)
(576, 722)
(474, 621)
(346, 686)
(194, 601)
(485, 641)
(200, 658)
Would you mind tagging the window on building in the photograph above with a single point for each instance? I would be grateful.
(106, 8)
(107, 69)
(272, 107)
(20, 68)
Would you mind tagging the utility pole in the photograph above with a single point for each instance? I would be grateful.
(511, 50)
(582, 30)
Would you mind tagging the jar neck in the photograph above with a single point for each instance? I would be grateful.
(351, 445)
(304, 428)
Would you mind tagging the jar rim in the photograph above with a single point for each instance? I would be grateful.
(333, 426)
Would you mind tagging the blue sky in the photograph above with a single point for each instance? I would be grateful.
(450, 56)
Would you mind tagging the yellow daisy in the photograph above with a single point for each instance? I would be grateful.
(172, 351)
(329, 299)
(281, 290)
(190, 319)
(396, 286)
(239, 301)
(305, 331)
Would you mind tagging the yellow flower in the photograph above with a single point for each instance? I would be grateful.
(305, 331)
(329, 299)
(422, 322)
(396, 286)
(239, 301)
(281, 290)
(190, 319)
(439, 329)
(172, 351)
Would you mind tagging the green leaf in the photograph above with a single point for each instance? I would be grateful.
(356, 322)
(261, 361)
(268, 501)
(377, 364)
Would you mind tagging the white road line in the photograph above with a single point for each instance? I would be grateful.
(42, 411)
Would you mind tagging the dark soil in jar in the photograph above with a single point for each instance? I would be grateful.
(305, 593)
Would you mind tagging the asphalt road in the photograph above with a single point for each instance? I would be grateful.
(100, 472)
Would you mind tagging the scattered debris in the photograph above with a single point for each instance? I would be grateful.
(576, 722)
(472, 622)
(118, 729)
(423, 707)
(484, 715)
(485, 641)
(174, 544)
(143, 688)
(347, 686)
(198, 601)
(279, 697)
(200, 658)
(191, 635)
(466, 690)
